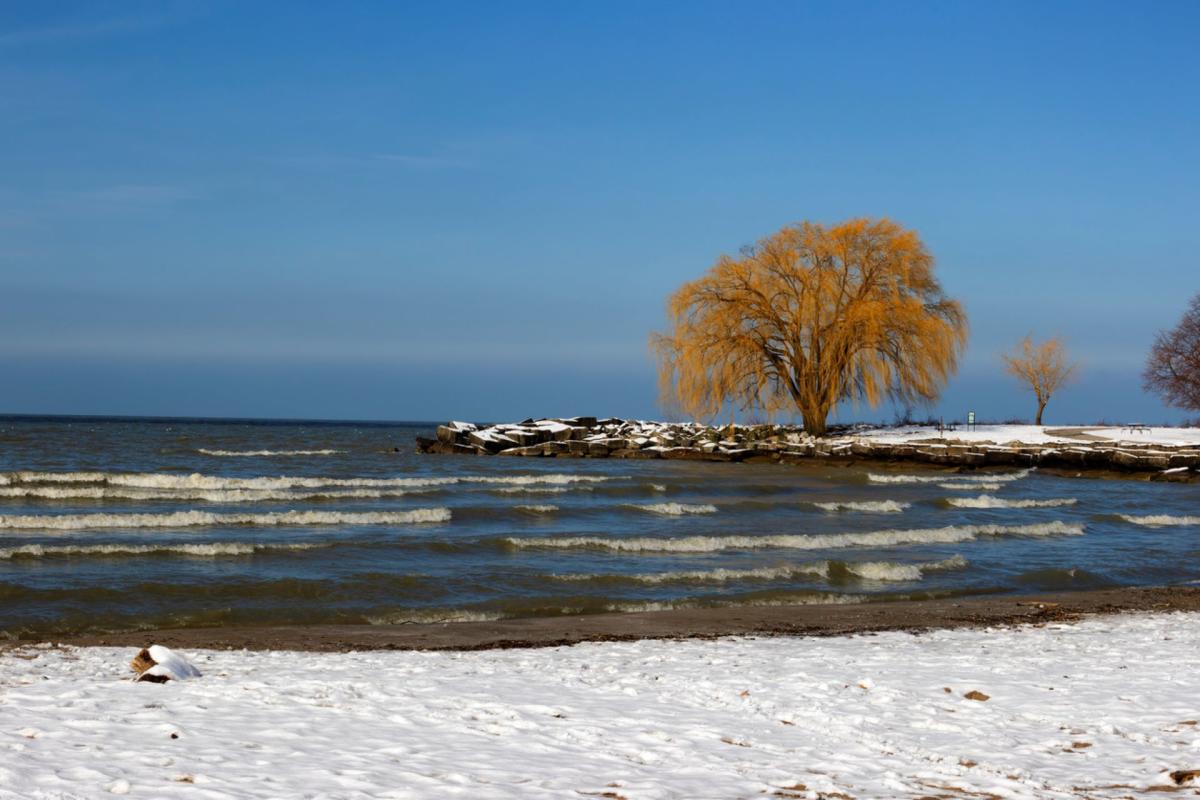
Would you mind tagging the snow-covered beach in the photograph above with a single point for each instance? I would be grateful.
(1105, 707)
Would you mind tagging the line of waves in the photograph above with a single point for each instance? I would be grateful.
(199, 549)
(868, 506)
(866, 570)
(357, 587)
(538, 508)
(1159, 520)
(86, 492)
(885, 538)
(971, 487)
(987, 501)
(579, 606)
(188, 519)
(155, 480)
(676, 509)
(238, 453)
(990, 477)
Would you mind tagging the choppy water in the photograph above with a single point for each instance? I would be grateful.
(110, 525)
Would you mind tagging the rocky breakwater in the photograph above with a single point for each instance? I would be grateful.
(589, 437)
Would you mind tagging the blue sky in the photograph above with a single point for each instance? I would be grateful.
(477, 210)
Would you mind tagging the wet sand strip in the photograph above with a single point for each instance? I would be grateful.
(811, 620)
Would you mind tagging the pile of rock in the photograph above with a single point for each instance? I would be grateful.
(589, 437)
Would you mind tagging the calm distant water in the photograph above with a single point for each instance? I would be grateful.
(110, 525)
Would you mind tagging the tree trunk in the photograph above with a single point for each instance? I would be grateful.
(1041, 408)
(814, 421)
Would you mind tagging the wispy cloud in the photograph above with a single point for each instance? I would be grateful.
(81, 29)
(422, 162)
(137, 194)
(122, 198)
(398, 160)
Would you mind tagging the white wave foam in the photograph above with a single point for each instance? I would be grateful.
(891, 571)
(186, 519)
(84, 492)
(538, 509)
(196, 549)
(987, 501)
(208, 452)
(868, 570)
(638, 606)
(971, 487)
(720, 575)
(676, 509)
(658, 487)
(534, 490)
(990, 477)
(418, 616)
(1160, 520)
(156, 480)
(869, 506)
(885, 538)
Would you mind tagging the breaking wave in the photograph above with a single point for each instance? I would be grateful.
(676, 509)
(971, 487)
(155, 480)
(538, 508)
(990, 477)
(987, 501)
(187, 519)
(885, 538)
(869, 506)
(419, 616)
(868, 570)
(891, 571)
(1159, 520)
(190, 549)
(85, 492)
(208, 452)
(798, 599)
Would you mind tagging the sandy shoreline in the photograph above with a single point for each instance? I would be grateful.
(702, 623)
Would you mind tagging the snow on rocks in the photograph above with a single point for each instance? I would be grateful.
(1103, 708)
(158, 664)
(1172, 454)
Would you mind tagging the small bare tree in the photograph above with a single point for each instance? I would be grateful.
(1043, 367)
(1173, 368)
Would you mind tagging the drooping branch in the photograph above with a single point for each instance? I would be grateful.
(810, 317)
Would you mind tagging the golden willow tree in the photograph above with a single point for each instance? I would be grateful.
(807, 318)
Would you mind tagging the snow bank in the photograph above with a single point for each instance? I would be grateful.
(1032, 434)
(1104, 708)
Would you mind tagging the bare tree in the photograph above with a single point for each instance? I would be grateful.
(1043, 367)
(1173, 368)
(811, 316)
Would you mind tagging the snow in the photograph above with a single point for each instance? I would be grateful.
(169, 664)
(1103, 708)
(1032, 434)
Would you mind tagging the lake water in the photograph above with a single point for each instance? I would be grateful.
(122, 524)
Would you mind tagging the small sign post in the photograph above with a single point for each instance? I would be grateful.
(970, 420)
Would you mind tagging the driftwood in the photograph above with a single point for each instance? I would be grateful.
(158, 664)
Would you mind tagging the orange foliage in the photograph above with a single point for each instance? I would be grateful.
(808, 317)
(1043, 366)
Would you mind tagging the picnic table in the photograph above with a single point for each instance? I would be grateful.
(1136, 427)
